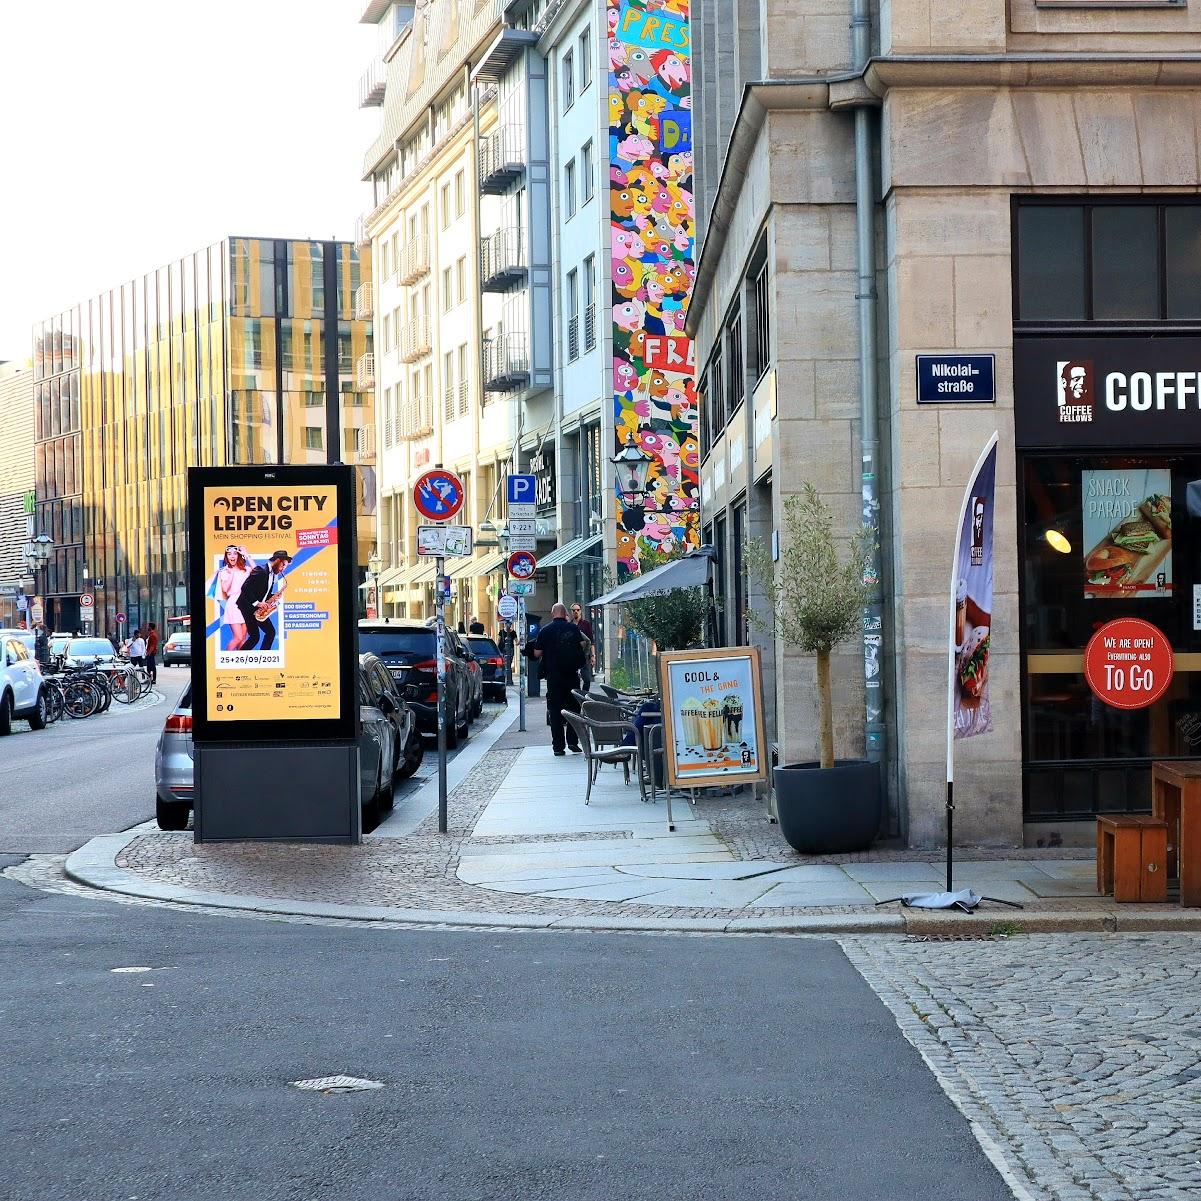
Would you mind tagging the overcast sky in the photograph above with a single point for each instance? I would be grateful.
(136, 131)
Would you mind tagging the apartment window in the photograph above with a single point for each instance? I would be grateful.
(448, 295)
(568, 81)
(314, 438)
(585, 59)
(716, 395)
(385, 257)
(736, 386)
(387, 416)
(573, 315)
(448, 379)
(762, 301)
(445, 205)
(590, 302)
(1119, 261)
(460, 193)
(586, 172)
(461, 274)
(396, 252)
(427, 397)
(569, 188)
(350, 441)
(463, 381)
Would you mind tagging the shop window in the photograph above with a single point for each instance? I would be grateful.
(1083, 756)
(1127, 261)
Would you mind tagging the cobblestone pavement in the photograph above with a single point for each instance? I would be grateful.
(1076, 1057)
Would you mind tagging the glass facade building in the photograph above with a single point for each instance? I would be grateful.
(247, 351)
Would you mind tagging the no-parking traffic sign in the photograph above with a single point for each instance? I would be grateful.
(522, 565)
(438, 494)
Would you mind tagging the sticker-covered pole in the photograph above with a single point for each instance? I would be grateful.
(521, 636)
(440, 626)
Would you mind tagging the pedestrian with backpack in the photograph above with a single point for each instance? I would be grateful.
(561, 651)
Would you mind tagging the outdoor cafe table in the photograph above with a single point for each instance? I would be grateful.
(1176, 799)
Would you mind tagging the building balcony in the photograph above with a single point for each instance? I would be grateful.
(371, 85)
(502, 260)
(414, 260)
(501, 159)
(415, 340)
(365, 373)
(364, 446)
(506, 363)
(364, 302)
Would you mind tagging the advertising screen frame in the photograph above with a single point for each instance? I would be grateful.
(343, 728)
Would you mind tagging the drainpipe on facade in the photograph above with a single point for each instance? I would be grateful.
(865, 295)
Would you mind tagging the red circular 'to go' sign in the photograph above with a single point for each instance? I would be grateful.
(1128, 663)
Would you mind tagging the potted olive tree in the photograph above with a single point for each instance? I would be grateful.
(671, 620)
(815, 600)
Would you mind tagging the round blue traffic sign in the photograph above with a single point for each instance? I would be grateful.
(438, 494)
(522, 565)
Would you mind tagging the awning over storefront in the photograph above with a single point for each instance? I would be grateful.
(570, 551)
(424, 573)
(471, 569)
(691, 571)
(391, 577)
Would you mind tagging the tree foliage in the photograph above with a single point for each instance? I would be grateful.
(672, 620)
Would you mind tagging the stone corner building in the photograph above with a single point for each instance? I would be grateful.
(1029, 177)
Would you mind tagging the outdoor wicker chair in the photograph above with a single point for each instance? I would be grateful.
(594, 757)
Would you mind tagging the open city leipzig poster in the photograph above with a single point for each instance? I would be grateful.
(271, 637)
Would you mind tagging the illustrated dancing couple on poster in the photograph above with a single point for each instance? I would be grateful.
(247, 595)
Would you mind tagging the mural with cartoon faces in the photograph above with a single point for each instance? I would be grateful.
(652, 240)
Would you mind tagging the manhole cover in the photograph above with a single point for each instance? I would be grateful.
(337, 1084)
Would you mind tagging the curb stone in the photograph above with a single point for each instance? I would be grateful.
(94, 865)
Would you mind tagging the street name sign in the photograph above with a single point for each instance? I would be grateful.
(956, 379)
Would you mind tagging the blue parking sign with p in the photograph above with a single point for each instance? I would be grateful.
(523, 489)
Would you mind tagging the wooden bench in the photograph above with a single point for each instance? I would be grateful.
(1132, 855)
(1176, 799)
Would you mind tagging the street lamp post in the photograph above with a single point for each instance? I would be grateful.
(373, 569)
(37, 558)
(633, 466)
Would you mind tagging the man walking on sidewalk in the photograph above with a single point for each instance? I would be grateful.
(559, 648)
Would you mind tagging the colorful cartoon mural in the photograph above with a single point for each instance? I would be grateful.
(653, 241)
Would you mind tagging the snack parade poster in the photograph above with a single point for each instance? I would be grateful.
(271, 638)
(1127, 514)
(971, 631)
(713, 713)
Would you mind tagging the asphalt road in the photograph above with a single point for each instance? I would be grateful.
(63, 785)
(516, 1066)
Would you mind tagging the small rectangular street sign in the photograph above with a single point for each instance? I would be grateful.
(521, 490)
(523, 533)
(956, 379)
(522, 587)
(522, 512)
(449, 541)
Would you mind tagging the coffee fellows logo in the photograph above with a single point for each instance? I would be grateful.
(1075, 384)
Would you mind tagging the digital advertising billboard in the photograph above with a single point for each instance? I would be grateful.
(273, 603)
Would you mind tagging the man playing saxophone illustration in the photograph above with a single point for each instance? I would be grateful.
(258, 599)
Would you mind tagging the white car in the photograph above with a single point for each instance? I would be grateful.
(22, 689)
(88, 652)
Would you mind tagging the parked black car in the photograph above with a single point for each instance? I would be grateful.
(409, 652)
(475, 673)
(492, 665)
(409, 748)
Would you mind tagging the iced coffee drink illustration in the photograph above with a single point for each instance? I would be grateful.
(731, 711)
(711, 726)
(693, 715)
(960, 612)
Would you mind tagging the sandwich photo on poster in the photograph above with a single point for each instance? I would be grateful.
(1127, 513)
(713, 716)
(973, 583)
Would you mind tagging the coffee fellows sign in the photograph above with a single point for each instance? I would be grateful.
(1107, 392)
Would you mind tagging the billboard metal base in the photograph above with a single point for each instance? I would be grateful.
(284, 793)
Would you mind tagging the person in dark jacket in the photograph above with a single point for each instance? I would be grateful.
(561, 651)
